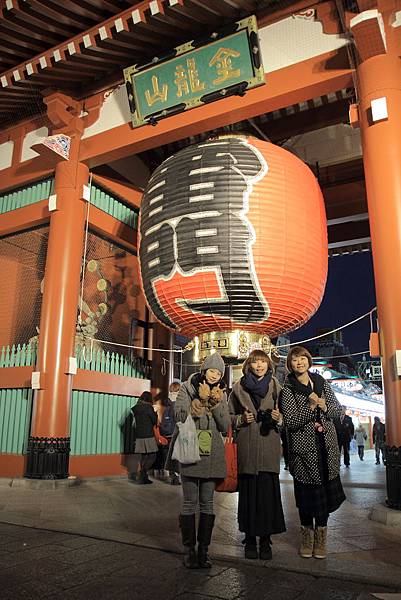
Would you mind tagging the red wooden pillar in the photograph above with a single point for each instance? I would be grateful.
(48, 447)
(379, 82)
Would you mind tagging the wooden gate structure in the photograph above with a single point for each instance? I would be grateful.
(332, 94)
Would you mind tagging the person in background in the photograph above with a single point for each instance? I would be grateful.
(173, 390)
(166, 422)
(379, 439)
(309, 406)
(253, 406)
(345, 433)
(145, 443)
(284, 446)
(360, 438)
(203, 396)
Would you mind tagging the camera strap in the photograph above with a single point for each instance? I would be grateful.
(275, 395)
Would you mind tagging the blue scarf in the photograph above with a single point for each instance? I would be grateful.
(256, 388)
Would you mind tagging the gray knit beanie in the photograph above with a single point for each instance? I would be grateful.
(214, 361)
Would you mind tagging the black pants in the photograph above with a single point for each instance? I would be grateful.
(345, 447)
(284, 443)
(144, 461)
(361, 451)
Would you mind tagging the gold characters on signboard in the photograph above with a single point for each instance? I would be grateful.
(222, 60)
(187, 78)
(157, 94)
(182, 81)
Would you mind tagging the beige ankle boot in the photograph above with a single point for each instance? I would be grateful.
(306, 548)
(319, 543)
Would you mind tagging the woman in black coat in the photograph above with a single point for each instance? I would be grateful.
(145, 442)
(309, 407)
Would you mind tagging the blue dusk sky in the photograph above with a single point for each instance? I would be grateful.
(349, 293)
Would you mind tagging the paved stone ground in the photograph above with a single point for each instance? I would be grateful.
(45, 564)
(114, 539)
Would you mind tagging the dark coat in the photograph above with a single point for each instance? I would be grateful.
(379, 433)
(256, 452)
(145, 420)
(214, 465)
(300, 420)
(345, 429)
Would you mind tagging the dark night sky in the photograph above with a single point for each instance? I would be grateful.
(349, 293)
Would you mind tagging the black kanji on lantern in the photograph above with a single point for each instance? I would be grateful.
(193, 218)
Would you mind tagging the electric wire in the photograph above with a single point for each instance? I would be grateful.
(81, 300)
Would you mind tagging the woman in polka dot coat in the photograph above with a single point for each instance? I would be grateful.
(309, 407)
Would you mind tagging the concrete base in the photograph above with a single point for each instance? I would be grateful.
(388, 516)
(44, 484)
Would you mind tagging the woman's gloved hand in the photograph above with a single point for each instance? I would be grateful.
(197, 408)
(204, 391)
(215, 396)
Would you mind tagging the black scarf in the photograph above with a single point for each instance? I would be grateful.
(306, 390)
(256, 388)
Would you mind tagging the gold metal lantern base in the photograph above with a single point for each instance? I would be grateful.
(235, 344)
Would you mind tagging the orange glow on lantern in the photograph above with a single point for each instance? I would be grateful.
(233, 236)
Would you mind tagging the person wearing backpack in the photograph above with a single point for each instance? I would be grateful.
(145, 444)
(166, 422)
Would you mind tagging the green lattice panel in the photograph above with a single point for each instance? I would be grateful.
(15, 414)
(113, 206)
(96, 421)
(30, 194)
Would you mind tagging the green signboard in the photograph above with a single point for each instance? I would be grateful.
(201, 71)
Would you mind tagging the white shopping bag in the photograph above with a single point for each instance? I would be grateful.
(353, 448)
(186, 447)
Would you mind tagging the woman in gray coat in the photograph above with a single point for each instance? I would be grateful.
(203, 396)
(255, 417)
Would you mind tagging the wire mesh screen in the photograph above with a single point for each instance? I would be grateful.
(22, 268)
(110, 304)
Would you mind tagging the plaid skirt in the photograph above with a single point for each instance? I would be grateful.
(145, 445)
(319, 500)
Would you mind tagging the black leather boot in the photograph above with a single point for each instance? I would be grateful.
(205, 528)
(265, 550)
(188, 536)
(251, 550)
(143, 478)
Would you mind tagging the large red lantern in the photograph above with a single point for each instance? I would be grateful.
(233, 238)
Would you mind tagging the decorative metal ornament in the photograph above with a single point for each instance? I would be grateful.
(233, 237)
(237, 344)
(101, 285)
(92, 266)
